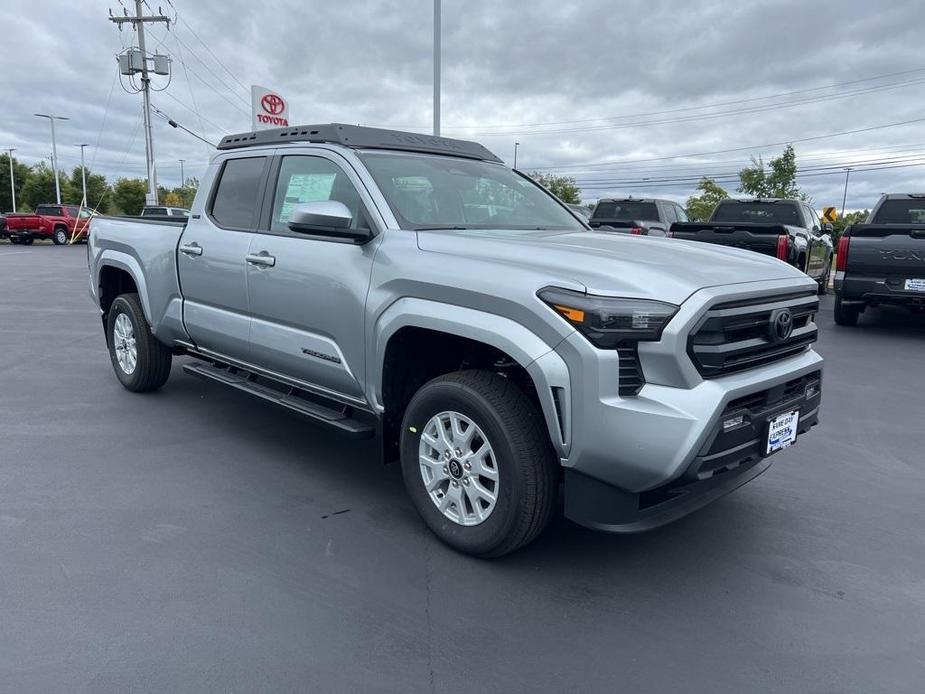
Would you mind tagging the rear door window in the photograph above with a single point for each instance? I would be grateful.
(238, 192)
(48, 210)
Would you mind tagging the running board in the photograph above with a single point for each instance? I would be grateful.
(327, 412)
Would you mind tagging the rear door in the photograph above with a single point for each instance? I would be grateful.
(211, 258)
(308, 293)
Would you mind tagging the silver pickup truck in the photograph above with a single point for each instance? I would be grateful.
(416, 289)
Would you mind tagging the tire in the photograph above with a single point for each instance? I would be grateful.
(14, 240)
(522, 460)
(60, 236)
(28, 241)
(150, 367)
(846, 314)
(824, 283)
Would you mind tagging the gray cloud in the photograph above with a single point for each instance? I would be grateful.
(505, 63)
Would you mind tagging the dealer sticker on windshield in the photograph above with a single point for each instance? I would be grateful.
(915, 285)
(783, 431)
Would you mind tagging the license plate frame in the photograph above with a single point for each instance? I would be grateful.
(782, 431)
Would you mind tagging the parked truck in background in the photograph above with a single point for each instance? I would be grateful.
(882, 262)
(636, 216)
(55, 222)
(416, 289)
(789, 230)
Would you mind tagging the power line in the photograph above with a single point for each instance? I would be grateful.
(673, 110)
(812, 138)
(206, 46)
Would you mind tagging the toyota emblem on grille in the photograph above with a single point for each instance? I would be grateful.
(781, 325)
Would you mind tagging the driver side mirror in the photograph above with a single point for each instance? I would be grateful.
(326, 218)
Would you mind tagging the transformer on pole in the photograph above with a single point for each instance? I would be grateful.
(135, 60)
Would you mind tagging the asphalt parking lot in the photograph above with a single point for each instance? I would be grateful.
(193, 540)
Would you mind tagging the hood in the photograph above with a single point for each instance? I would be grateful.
(609, 263)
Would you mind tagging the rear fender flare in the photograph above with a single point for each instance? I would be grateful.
(123, 261)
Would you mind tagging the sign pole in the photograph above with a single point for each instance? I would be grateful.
(437, 68)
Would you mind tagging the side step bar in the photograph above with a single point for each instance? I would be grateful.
(326, 412)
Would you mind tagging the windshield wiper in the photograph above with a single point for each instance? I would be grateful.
(441, 227)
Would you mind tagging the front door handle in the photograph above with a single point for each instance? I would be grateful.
(262, 259)
(191, 249)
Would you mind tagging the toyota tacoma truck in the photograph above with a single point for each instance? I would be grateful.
(636, 216)
(415, 289)
(789, 230)
(60, 223)
(882, 262)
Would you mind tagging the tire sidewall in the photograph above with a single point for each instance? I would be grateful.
(122, 306)
(62, 234)
(438, 397)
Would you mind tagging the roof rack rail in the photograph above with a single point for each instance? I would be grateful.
(359, 137)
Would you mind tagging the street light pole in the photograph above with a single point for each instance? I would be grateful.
(10, 151)
(437, 68)
(182, 177)
(83, 173)
(844, 199)
(54, 151)
(516, 145)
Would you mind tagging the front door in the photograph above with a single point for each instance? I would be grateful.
(308, 293)
(211, 259)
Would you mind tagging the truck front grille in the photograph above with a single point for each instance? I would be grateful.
(740, 335)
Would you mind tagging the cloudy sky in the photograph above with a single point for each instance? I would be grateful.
(635, 96)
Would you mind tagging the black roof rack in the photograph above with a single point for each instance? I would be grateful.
(360, 137)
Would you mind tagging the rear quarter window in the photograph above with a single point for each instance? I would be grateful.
(237, 193)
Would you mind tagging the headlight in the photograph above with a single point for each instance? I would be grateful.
(607, 321)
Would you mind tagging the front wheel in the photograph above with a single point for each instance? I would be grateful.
(14, 240)
(141, 362)
(477, 462)
(28, 241)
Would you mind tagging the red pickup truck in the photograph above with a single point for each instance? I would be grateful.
(55, 222)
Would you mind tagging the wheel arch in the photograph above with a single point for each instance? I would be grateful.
(431, 336)
(120, 273)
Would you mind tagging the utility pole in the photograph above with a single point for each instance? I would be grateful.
(182, 177)
(138, 22)
(844, 199)
(83, 174)
(437, 32)
(54, 151)
(516, 145)
(10, 151)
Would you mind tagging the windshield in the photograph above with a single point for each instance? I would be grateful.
(901, 212)
(626, 211)
(434, 192)
(758, 212)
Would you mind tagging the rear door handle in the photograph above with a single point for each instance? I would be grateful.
(262, 259)
(191, 249)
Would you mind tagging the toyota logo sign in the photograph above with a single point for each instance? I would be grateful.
(269, 109)
(273, 104)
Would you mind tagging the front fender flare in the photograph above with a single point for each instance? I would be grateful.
(547, 369)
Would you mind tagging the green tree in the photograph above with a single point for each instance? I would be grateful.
(563, 187)
(128, 195)
(40, 187)
(21, 174)
(846, 220)
(181, 196)
(700, 207)
(776, 179)
(98, 191)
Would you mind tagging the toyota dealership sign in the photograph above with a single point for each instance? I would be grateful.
(270, 110)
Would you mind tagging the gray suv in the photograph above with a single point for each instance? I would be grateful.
(415, 289)
(637, 216)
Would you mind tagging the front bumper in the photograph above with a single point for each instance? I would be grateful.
(729, 458)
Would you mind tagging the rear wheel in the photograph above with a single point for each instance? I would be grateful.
(140, 361)
(28, 241)
(60, 236)
(846, 314)
(477, 463)
(14, 240)
(824, 282)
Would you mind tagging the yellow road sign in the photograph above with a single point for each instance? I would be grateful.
(830, 214)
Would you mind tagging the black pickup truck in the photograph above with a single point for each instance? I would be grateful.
(882, 261)
(790, 230)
